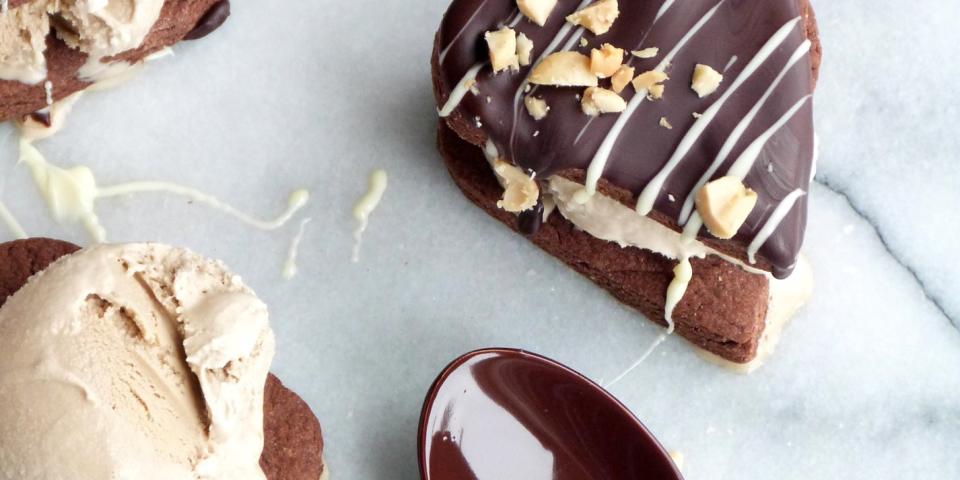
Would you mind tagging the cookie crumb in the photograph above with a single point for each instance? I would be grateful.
(665, 123)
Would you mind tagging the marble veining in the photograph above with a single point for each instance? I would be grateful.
(932, 297)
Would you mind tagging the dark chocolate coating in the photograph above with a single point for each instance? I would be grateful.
(739, 28)
(210, 21)
(502, 413)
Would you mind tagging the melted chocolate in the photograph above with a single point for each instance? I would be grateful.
(568, 139)
(42, 117)
(502, 414)
(529, 221)
(210, 21)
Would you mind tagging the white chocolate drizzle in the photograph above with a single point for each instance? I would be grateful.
(517, 16)
(739, 130)
(290, 265)
(682, 274)
(11, 222)
(744, 163)
(71, 194)
(643, 357)
(599, 162)
(460, 90)
(48, 90)
(649, 195)
(446, 50)
(365, 206)
(772, 223)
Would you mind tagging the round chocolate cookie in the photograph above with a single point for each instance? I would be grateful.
(293, 442)
(21, 259)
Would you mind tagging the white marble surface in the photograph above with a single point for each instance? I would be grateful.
(866, 383)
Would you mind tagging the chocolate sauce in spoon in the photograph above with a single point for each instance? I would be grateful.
(503, 414)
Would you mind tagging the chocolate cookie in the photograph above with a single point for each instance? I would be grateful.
(726, 318)
(178, 19)
(293, 444)
(21, 259)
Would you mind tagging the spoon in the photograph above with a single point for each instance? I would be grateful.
(504, 414)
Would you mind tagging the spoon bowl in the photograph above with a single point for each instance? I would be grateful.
(504, 414)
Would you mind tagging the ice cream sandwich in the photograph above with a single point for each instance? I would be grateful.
(663, 149)
(51, 49)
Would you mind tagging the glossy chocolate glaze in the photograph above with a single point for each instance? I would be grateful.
(735, 33)
(507, 414)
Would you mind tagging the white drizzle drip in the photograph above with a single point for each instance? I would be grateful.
(290, 265)
(460, 91)
(739, 130)
(71, 194)
(773, 223)
(646, 354)
(682, 274)
(12, 222)
(599, 162)
(365, 206)
(649, 195)
(297, 200)
(445, 51)
(48, 90)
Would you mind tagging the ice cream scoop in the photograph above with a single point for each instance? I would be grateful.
(133, 361)
(508, 414)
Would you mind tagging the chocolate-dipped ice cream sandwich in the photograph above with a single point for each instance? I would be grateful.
(51, 49)
(663, 149)
(141, 361)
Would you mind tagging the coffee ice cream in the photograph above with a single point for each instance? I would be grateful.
(133, 361)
